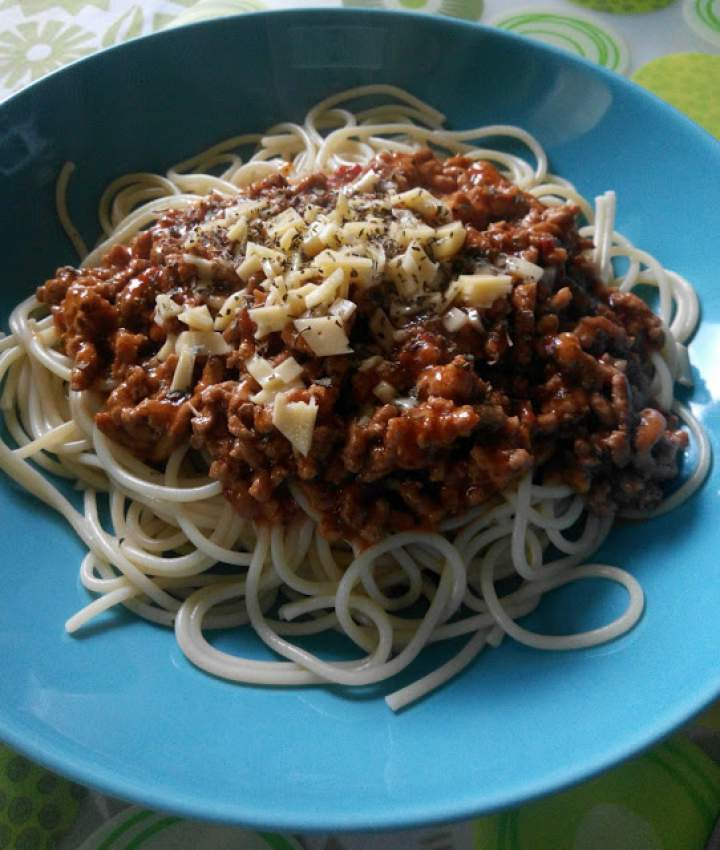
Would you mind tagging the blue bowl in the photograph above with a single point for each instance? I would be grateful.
(120, 708)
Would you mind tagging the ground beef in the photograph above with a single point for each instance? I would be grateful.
(554, 377)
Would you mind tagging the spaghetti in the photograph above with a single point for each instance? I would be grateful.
(291, 567)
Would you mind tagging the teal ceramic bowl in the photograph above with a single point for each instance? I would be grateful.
(120, 708)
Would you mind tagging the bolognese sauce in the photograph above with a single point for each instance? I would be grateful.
(401, 341)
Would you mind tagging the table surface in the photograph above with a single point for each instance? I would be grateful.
(671, 47)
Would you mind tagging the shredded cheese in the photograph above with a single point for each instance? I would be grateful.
(268, 319)
(312, 244)
(182, 377)
(202, 342)
(356, 231)
(168, 348)
(227, 312)
(285, 227)
(455, 319)
(314, 262)
(165, 308)
(412, 272)
(481, 290)
(255, 256)
(403, 233)
(273, 380)
(524, 267)
(289, 370)
(365, 183)
(325, 335)
(260, 369)
(206, 268)
(197, 318)
(312, 211)
(326, 292)
(295, 420)
(343, 309)
(342, 209)
(449, 239)
(424, 203)
(355, 269)
(238, 232)
(296, 299)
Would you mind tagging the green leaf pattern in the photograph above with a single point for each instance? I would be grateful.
(128, 25)
(39, 36)
(33, 49)
(72, 7)
(470, 10)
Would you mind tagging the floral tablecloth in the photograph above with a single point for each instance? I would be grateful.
(668, 799)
